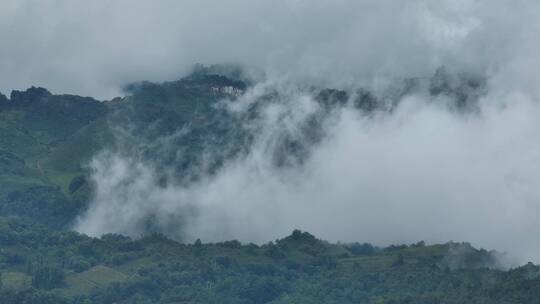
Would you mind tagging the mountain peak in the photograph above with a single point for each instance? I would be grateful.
(32, 94)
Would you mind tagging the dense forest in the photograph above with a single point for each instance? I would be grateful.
(47, 141)
(40, 265)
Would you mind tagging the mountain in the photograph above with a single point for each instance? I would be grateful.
(44, 141)
(187, 131)
(47, 141)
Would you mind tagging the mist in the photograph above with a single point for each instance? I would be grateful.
(420, 172)
(423, 171)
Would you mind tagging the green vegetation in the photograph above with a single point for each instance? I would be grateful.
(40, 265)
(47, 142)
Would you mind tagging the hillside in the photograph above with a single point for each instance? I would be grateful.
(47, 141)
(39, 265)
(185, 130)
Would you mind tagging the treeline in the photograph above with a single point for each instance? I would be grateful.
(40, 265)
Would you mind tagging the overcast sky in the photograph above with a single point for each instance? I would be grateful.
(95, 47)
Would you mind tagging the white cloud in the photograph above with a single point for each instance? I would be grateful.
(420, 173)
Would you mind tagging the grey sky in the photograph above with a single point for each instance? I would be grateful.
(95, 47)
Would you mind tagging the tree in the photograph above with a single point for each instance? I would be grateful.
(47, 277)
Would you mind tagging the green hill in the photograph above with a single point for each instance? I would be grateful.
(40, 265)
(47, 141)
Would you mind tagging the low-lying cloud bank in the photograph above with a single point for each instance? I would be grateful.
(420, 172)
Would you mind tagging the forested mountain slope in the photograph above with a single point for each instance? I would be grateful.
(47, 141)
(47, 144)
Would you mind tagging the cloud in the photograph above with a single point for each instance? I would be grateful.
(422, 172)
(96, 47)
